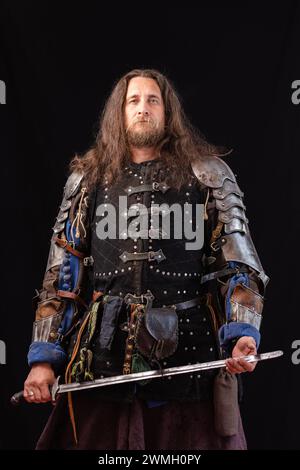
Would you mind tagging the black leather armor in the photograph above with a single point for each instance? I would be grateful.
(151, 264)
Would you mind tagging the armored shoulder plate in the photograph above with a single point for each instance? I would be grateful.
(212, 171)
(70, 190)
(236, 241)
(216, 174)
(72, 185)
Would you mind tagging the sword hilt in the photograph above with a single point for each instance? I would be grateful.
(18, 398)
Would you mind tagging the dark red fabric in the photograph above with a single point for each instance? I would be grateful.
(135, 426)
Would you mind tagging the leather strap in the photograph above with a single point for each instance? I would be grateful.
(188, 304)
(221, 273)
(64, 244)
(155, 186)
(133, 299)
(72, 296)
(148, 255)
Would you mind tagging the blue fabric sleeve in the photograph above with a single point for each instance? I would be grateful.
(234, 330)
(41, 351)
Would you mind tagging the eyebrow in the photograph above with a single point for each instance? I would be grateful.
(136, 95)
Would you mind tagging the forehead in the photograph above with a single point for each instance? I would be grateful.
(141, 85)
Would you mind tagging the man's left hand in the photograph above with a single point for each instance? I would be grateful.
(245, 346)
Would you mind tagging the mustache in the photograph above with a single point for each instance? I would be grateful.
(141, 119)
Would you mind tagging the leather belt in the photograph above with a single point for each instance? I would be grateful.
(134, 299)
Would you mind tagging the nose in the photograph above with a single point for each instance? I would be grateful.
(142, 109)
(143, 112)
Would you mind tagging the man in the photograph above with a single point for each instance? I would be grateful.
(116, 301)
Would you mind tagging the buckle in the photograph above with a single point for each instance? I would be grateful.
(145, 299)
(151, 255)
(149, 298)
(216, 245)
(155, 186)
(88, 261)
(133, 299)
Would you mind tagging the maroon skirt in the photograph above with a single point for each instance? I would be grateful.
(135, 426)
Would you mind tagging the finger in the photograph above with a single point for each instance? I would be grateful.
(36, 397)
(250, 350)
(251, 344)
(231, 368)
(29, 394)
(234, 364)
(45, 393)
(248, 366)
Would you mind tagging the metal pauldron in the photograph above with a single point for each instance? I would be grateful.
(235, 242)
(70, 190)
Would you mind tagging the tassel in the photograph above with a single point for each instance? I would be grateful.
(139, 364)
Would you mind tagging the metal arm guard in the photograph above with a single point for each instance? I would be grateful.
(45, 329)
(235, 241)
(53, 310)
(232, 250)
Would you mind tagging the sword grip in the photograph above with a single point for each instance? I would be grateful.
(17, 398)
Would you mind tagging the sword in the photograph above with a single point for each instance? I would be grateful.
(57, 389)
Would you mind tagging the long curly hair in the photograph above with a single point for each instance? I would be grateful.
(181, 144)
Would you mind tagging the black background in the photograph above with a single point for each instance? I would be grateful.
(233, 67)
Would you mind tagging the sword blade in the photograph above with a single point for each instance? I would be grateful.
(154, 374)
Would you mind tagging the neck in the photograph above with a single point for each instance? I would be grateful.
(139, 155)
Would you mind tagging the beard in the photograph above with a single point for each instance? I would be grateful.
(144, 134)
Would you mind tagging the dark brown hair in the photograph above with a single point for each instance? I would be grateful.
(181, 144)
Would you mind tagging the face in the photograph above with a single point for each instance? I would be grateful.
(144, 113)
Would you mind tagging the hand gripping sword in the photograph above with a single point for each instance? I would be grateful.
(56, 388)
